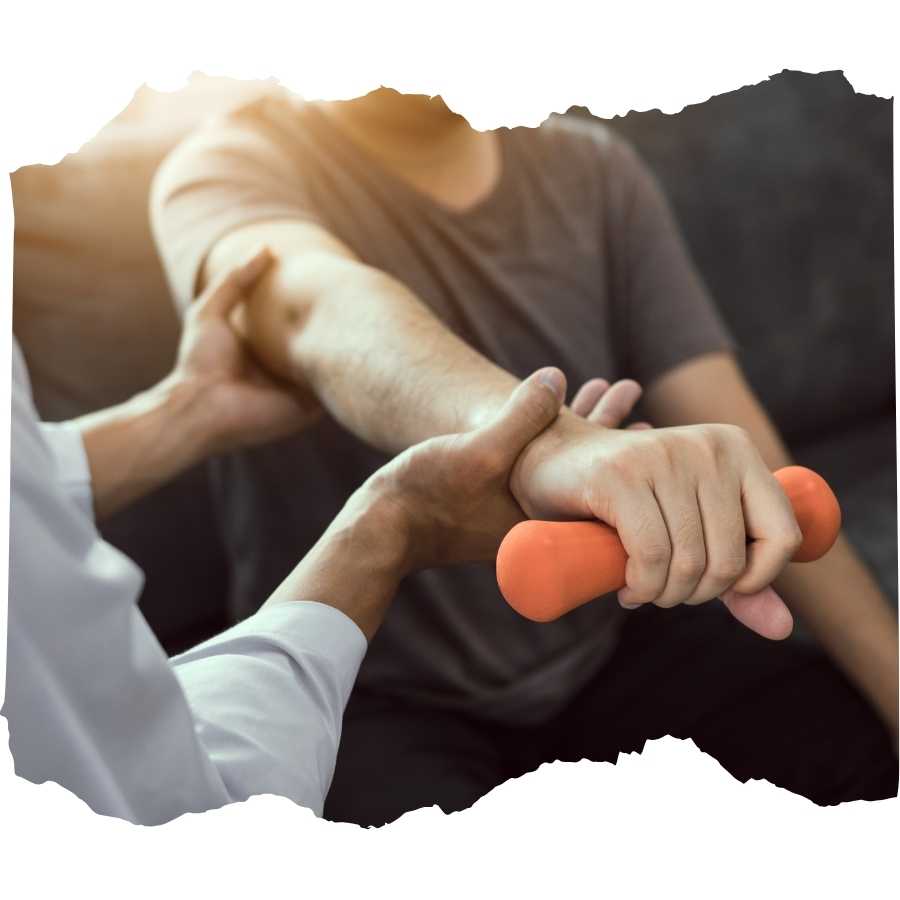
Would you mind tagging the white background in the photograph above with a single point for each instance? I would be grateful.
(668, 823)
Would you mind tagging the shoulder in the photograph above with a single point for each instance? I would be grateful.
(582, 132)
(259, 138)
(274, 118)
(588, 162)
(566, 137)
(582, 143)
(277, 113)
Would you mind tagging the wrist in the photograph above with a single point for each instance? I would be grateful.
(538, 493)
(358, 563)
(139, 445)
(185, 410)
(380, 526)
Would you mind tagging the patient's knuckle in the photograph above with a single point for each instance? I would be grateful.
(727, 569)
(732, 434)
(789, 538)
(703, 446)
(662, 454)
(688, 567)
(620, 469)
(643, 593)
(654, 554)
(720, 442)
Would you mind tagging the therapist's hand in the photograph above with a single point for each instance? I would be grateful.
(215, 399)
(441, 502)
(238, 404)
(452, 492)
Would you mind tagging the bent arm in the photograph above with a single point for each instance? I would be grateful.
(836, 596)
(93, 702)
(373, 354)
(267, 699)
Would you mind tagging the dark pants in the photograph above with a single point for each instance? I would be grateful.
(779, 711)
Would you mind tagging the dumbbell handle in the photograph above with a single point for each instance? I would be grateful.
(546, 569)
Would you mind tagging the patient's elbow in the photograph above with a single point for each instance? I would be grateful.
(288, 299)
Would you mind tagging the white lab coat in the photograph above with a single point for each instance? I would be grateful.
(92, 701)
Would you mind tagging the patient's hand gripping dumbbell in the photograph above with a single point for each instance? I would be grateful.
(546, 569)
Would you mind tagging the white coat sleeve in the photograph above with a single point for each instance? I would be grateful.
(94, 704)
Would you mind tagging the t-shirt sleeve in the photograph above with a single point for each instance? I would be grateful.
(663, 314)
(234, 171)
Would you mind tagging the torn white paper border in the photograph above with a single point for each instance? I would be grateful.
(670, 822)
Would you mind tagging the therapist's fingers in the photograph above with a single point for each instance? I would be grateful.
(227, 291)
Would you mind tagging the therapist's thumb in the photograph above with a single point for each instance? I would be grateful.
(532, 407)
(232, 288)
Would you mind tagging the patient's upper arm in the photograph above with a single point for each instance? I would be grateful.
(229, 186)
(287, 239)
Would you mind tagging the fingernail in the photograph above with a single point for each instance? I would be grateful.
(629, 605)
(555, 380)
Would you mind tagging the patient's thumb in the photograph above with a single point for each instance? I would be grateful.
(531, 407)
(763, 612)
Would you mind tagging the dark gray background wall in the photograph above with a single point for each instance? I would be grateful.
(783, 192)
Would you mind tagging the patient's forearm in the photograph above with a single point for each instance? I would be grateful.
(390, 371)
(845, 609)
(142, 443)
(835, 597)
(378, 360)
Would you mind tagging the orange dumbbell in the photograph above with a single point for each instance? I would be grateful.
(546, 569)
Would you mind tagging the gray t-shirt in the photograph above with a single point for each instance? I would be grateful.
(572, 260)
